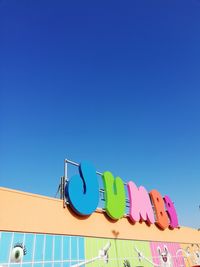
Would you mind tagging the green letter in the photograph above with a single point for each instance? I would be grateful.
(115, 196)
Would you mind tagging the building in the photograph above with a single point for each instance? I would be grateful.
(42, 232)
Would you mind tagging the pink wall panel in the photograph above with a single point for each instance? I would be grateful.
(165, 254)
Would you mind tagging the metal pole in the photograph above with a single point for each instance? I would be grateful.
(65, 169)
(64, 181)
(77, 164)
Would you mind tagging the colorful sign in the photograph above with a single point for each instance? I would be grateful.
(35, 250)
(82, 192)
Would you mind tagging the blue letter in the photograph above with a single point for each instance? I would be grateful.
(82, 191)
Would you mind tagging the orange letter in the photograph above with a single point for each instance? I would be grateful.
(159, 206)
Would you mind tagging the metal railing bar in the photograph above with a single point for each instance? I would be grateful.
(77, 165)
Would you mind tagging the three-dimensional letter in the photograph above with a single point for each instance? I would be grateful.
(140, 204)
(82, 191)
(115, 196)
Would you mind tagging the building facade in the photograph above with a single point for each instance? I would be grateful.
(38, 231)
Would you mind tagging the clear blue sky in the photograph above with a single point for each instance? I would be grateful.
(113, 82)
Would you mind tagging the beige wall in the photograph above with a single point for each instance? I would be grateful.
(26, 212)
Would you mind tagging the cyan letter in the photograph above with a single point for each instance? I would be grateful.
(82, 191)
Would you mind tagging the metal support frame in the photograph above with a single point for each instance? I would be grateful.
(65, 179)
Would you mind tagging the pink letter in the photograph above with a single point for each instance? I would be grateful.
(140, 204)
(171, 212)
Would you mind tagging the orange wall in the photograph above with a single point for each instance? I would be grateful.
(26, 212)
